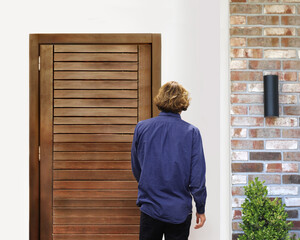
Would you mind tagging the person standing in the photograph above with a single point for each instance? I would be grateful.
(168, 162)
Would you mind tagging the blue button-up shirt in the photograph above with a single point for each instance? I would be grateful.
(167, 160)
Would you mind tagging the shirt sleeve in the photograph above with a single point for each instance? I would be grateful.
(135, 164)
(198, 170)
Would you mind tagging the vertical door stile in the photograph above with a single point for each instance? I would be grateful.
(46, 140)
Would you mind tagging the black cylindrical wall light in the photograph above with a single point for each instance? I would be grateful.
(271, 98)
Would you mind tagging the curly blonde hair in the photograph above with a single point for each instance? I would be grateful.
(172, 97)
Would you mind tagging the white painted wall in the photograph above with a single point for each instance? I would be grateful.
(190, 55)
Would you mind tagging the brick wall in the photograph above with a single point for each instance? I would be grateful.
(265, 39)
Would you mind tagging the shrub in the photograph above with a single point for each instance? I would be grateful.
(263, 219)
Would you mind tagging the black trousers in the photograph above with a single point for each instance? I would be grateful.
(153, 229)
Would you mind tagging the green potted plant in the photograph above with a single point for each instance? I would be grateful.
(263, 219)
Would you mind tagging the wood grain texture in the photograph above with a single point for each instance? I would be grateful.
(34, 132)
(144, 82)
(95, 236)
(96, 120)
(94, 184)
(94, 84)
(116, 38)
(156, 70)
(94, 75)
(95, 93)
(92, 130)
(129, 66)
(92, 156)
(103, 57)
(95, 48)
(109, 112)
(95, 203)
(46, 141)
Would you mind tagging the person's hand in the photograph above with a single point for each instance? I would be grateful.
(203, 219)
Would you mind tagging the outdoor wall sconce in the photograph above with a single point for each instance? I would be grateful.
(271, 98)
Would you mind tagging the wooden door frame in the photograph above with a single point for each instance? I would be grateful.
(35, 40)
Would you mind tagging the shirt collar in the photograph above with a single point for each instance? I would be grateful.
(171, 114)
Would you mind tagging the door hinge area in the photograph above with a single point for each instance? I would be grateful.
(39, 153)
(39, 62)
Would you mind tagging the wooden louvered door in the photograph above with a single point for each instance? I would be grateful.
(91, 98)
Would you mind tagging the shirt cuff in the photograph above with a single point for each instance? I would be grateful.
(200, 209)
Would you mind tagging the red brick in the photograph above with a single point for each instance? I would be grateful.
(246, 53)
(237, 42)
(296, 225)
(290, 20)
(279, 9)
(236, 226)
(263, 1)
(268, 178)
(237, 190)
(237, 214)
(246, 76)
(264, 133)
(247, 144)
(239, 132)
(237, 20)
(291, 110)
(291, 65)
(281, 121)
(238, 87)
(246, 98)
(291, 179)
(291, 156)
(274, 167)
(239, 110)
(283, 76)
(256, 110)
(246, 31)
(247, 167)
(245, 8)
(263, 42)
(264, 64)
(290, 42)
(266, 156)
(263, 20)
(247, 121)
(291, 133)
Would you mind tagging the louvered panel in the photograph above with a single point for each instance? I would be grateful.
(91, 165)
(95, 203)
(95, 93)
(91, 156)
(103, 220)
(94, 128)
(107, 66)
(94, 75)
(94, 184)
(126, 57)
(120, 112)
(96, 237)
(94, 84)
(96, 120)
(99, 93)
(96, 48)
(105, 229)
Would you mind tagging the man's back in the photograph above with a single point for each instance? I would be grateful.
(168, 162)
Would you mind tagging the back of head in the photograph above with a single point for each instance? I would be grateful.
(172, 97)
